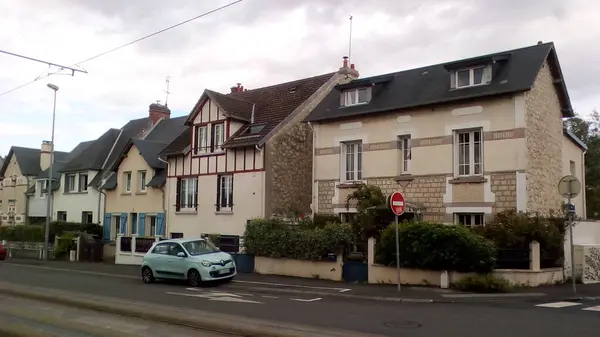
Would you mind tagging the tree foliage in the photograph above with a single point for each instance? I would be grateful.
(373, 214)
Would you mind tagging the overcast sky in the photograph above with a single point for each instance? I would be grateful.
(257, 43)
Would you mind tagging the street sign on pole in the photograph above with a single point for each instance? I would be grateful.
(398, 206)
(569, 187)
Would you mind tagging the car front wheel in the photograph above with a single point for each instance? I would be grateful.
(147, 275)
(194, 278)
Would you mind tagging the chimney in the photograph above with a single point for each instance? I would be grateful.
(540, 42)
(233, 89)
(349, 73)
(237, 88)
(45, 155)
(157, 112)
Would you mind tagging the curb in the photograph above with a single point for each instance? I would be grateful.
(202, 320)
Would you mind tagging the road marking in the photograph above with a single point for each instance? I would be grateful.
(223, 297)
(341, 290)
(558, 305)
(596, 308)
(301, 300)
(267, 296)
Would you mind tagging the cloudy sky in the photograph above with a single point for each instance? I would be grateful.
(255, 42)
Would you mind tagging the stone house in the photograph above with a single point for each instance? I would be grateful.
(462, 140)
(246, 154)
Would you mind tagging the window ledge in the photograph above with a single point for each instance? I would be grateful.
(208, 154)
(75, 192)
(186, 212)
(350, 184)
(223, 212)
(126, 193)
(404, 177)
(468, 180)
(141, 193)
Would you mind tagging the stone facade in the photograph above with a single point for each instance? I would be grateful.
(504, 186)
(544, 143)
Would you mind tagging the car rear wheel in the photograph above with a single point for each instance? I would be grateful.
(147, 275)
(194, 278)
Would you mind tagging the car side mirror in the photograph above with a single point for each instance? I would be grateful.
(181, 254)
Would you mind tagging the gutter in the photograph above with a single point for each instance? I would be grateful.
(312, 200)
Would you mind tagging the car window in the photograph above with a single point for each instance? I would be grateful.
(175, 249)
(162, 249)
(199, 247)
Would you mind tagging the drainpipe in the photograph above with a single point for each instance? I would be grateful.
(583, 191)
(312, 182)
(262, 180)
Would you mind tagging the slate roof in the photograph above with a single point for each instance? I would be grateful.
(110, 183)
(271, 106)
(512, 71)
(1, 161)
(92, 154)
(29, 160)
(179, 145)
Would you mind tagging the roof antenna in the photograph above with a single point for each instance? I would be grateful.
(350, 41)
(167, 81)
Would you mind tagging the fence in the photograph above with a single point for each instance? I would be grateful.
(513, 258)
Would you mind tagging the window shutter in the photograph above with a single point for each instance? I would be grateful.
(196, 195)
(487, 74)
(231, 191)
(177, 194)
(453, 80)
(195, 146)
(106, 226)
(142, 224)
(123, 223)
(160, 224)
(218, 203)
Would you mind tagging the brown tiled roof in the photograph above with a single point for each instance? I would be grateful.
(237, 108)
(178, 145)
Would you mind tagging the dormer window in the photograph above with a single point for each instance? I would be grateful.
(471, 77)
(253, 130)
(356, 96)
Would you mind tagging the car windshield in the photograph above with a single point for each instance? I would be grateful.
(199, 247)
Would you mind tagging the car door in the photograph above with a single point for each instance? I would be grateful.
(160, 260)
(177, 265)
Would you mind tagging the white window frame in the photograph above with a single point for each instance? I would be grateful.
(405, 148)
(354, 148)
(86, 214)
(351, 97)
(217, 137)
(471, 77)
(127, 182)
(469, 163)
(225, 192)
(151, 224)
(72, 184)
(187, 193)
(473, 219)
(83, 188)
(202, 137)
(43, 185)
(142, 180)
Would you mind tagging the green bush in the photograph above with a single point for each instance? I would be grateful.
(436, 247)
(275, 238)
(35, 233)
(483, 283)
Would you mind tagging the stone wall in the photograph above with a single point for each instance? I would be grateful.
(504, 186)
(544, 143)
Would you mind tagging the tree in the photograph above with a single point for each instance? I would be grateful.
(372, 212)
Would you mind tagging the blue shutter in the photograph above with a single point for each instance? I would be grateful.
(160, 224)
(142, 224)
(106, 226)
(123, 223)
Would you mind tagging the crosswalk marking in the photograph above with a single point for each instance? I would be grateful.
(557, 305)
(596, 308)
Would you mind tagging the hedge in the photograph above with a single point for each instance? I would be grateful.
(35, 233)
(276, 238)
(436, 247)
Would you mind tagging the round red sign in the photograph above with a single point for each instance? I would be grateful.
(397, 203)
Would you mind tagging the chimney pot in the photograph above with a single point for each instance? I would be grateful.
(352, 66)
(241, 88)
(540, 42)
(345, 64)
(233, 89)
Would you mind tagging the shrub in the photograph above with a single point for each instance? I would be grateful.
(275, 238)
(483, 283)
(436, 247)
(35, 233)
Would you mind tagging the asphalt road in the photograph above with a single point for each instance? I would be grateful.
(369, 316)
(40, 318)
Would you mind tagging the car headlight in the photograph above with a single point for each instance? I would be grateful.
(206, 263)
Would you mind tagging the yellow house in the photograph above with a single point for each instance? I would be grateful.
(135, 194)
(462, 140)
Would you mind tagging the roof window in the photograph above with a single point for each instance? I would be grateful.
(253, 129)
(355, 96)
(471, 77)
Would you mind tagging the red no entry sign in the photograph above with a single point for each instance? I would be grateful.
(397, 203)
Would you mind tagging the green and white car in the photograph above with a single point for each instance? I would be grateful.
(196, 260)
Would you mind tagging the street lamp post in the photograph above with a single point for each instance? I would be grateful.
(49, 185)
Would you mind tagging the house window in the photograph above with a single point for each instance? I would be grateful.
(356, 96)
(61, 216)
(83, 182)
(134, 220)
(152, 222)
(572, 167)
(43, 188)
(224, 193)
(469, 149)
(142, 181)
(405, 153)
(217, 137)
(188, 193)
(469, 219)
(117, 222)
(201, 139)
(87, 217)
(470, 77)
(352, 161)
(127, 182)
(71, 183)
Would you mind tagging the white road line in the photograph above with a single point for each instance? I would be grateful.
(341, 290)
(558, 305)
(267, 296)
(301, 300)
(596, 308)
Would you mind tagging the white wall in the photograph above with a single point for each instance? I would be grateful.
(75, 203)
(37, 202)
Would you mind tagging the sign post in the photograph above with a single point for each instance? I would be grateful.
(569, 187)
(398, 206)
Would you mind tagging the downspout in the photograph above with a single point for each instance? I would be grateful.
(312, 183)
(262, 182)
(583, 190)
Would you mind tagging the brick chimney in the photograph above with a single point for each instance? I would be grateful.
(157, 112)
(45, 155)
(349, 72)
(237, 88)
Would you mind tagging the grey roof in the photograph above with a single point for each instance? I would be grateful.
(110, 183)
(1, 161)
(160, 177)
(167, 130)
(512, 71)
(91, 155)
(149, 151)
(29, 160)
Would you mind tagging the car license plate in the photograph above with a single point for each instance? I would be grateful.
(223, 271)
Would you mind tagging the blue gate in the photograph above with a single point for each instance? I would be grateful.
(355, 272)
